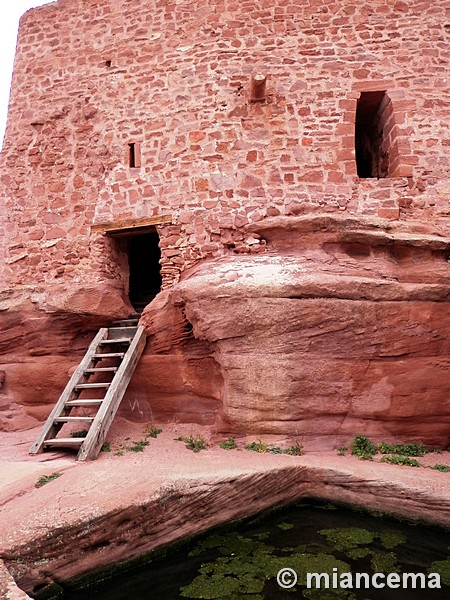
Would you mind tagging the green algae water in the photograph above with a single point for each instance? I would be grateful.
(308, 537)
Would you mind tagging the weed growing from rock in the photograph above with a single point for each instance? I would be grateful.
(260, 447)
(342, 451)
(411, 449)
(443, 468)
(228, 444)
(257, 447)
(138, 446)
(79, 434)
(152, 431)
(194, 443)
(46, 479)
(106, 447)
(295, 450)
(398, 459)
(363, 448)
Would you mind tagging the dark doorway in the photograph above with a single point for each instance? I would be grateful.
(145, 270)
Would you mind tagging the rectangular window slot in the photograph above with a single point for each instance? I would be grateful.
(134, 155)
(373, 126)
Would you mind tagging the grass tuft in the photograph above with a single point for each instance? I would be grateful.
(194, 443)
(228, 444)
(46, 479)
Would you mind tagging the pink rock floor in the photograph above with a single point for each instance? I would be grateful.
(121, 479)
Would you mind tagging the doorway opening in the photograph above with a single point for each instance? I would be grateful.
(144, 257)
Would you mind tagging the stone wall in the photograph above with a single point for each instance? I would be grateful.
(173, 78)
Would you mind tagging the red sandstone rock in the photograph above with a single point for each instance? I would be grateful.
(342, 327)
(318, 328)
(97, 514)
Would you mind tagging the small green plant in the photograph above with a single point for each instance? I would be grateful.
(295, 450)
(152, 431)
(342, 451)
(257, 447)
(46, 479)
(194, 443)
(410, 449)
(363, 448)
(138, 446)
(106, 447)
(399, 459)
(443, 468)
(81, 433)
(228, 444)
(118, 453)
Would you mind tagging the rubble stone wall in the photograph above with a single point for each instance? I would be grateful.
(174, 78)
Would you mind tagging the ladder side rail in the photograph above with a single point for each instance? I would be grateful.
(66, 394)
(104, 417)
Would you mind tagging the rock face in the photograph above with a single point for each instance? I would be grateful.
(341, 328)
(43, 335)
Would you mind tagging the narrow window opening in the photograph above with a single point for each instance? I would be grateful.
(373, 135)
(132, 155)
(144, 257)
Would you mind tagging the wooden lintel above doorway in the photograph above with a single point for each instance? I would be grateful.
(123, 227)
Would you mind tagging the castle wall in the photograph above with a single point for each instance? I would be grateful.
(173, 78)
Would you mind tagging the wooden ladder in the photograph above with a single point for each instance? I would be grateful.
(114, 352)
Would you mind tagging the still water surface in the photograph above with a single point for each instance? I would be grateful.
(310, 536)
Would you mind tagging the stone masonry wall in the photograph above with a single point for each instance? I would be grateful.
(173, 77)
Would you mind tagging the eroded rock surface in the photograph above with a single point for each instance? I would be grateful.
(120, 506)
(342, 327)
(44, 332)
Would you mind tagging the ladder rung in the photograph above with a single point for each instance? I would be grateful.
(65, 442)
(117, 341)
(72, 419)
(84, 402)
(101, 370)
(88, 386)
(110, 355)
(119, 333)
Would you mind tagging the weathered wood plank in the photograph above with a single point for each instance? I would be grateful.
(92, 386)
(65, 442)
(85, 402)
(124, 226)
(101, 370)
(72, 419)
(50, 429)
(102, 422)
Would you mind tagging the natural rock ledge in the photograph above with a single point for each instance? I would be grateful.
(102, 513)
